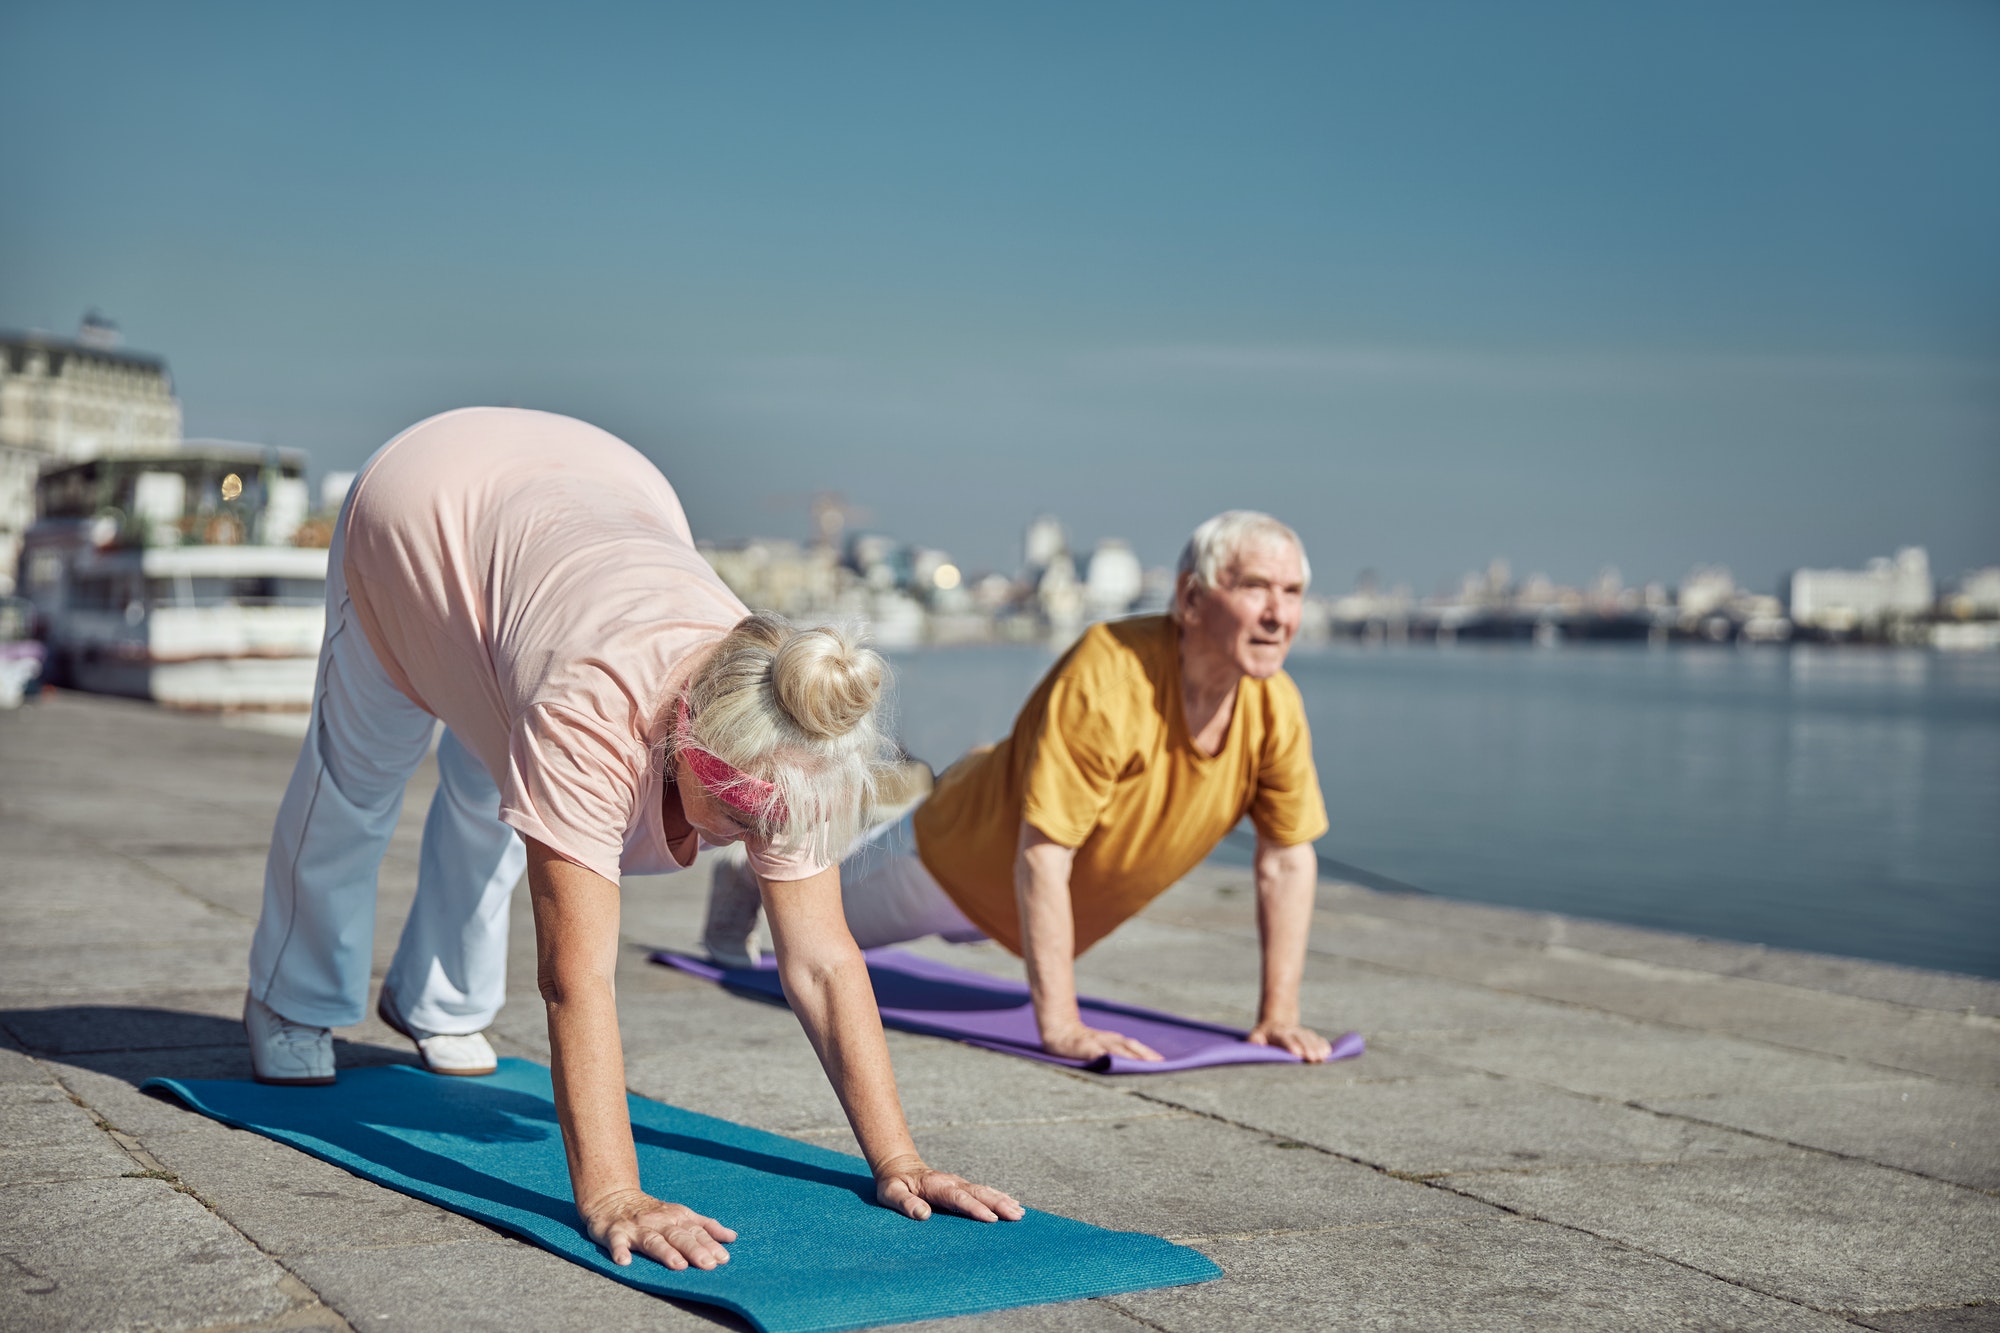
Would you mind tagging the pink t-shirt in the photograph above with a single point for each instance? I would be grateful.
(531, 581)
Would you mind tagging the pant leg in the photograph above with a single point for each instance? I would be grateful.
(314, 947)
(888, 895)
(450, 970)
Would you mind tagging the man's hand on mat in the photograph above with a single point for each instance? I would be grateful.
(632, 1220)
(1078, 1042)
(913, 1189)
(1303, 1042)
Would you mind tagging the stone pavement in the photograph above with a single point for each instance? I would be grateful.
(1560, 1124)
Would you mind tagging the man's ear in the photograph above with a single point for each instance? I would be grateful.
(1186, 589)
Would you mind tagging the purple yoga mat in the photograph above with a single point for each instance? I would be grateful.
(939, 1000)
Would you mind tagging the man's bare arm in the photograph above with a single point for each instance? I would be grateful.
(1048, 946)
(1286, 880)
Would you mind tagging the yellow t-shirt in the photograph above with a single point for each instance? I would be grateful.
(1100, 760)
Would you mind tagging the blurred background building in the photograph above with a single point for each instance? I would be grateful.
(63, 399)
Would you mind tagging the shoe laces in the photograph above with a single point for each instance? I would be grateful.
(297, 1034)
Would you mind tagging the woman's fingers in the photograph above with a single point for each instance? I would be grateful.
(896, 1193)
(665, 1233)
(1000, 1202)
(680, 1246)
(982, 1203)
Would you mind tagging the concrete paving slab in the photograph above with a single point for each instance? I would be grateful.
(231, 880)
(1983, 1317)
(1469, 1276)
(1833, 1234)
(290, 1203)
(129, 1253)
(1184, 1176)
(1938, 1129)
(1963, 1048)
(93, 1158)
(16, 1066)
(88, 971)
(1436, 1126)
(1069, 1317)
(1629, 1061)
(486, 1285)
(159, 1020)
(33, 1114)
(1216, 979)
(47, 1137)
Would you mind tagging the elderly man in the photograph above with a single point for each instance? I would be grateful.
(1137, 753)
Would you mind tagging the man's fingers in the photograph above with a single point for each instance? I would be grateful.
(715, 1228)
(1139, 1050)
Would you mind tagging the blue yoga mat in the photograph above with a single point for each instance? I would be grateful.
(815, 1252)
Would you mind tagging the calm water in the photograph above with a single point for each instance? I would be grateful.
(1845, 801)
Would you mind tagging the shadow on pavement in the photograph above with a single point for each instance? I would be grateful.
(138, 1042)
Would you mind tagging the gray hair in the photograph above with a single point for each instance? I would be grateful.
(802, 710)
(1219, 540)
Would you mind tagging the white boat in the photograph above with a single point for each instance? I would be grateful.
(178, 576)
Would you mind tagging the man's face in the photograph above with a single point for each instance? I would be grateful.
(1252, 614)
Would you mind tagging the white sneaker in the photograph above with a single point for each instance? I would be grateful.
(284, 1052)
(467, 1056)
(730, 934)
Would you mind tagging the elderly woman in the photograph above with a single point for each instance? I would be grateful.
(609, 707)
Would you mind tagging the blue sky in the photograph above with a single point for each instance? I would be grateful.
(1569, 283)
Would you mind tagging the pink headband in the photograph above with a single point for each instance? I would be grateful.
(724, 781)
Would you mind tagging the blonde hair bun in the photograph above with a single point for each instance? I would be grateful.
(825, 680)
(801, 709)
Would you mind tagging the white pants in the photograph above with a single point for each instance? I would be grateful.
(889, 897)
(315, 941)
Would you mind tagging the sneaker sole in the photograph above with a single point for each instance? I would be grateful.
(382, 1012)
(325, 1082)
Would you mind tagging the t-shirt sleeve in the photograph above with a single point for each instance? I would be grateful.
(1079, 752)
(1287, 807)
(570, 786)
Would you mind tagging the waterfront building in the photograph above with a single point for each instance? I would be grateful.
(65, 399)
(1042, 543)
(1841, 600)
(1976, 596)
(1113, 580)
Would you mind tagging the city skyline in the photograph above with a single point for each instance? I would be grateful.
(1566, 286)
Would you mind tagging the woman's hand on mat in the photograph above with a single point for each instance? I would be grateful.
(632, 1221)
(913, 1189)
(1077, 1042)
(1303, 1042)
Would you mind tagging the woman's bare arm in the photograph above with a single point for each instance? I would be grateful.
(576, 954)
(826, 980)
